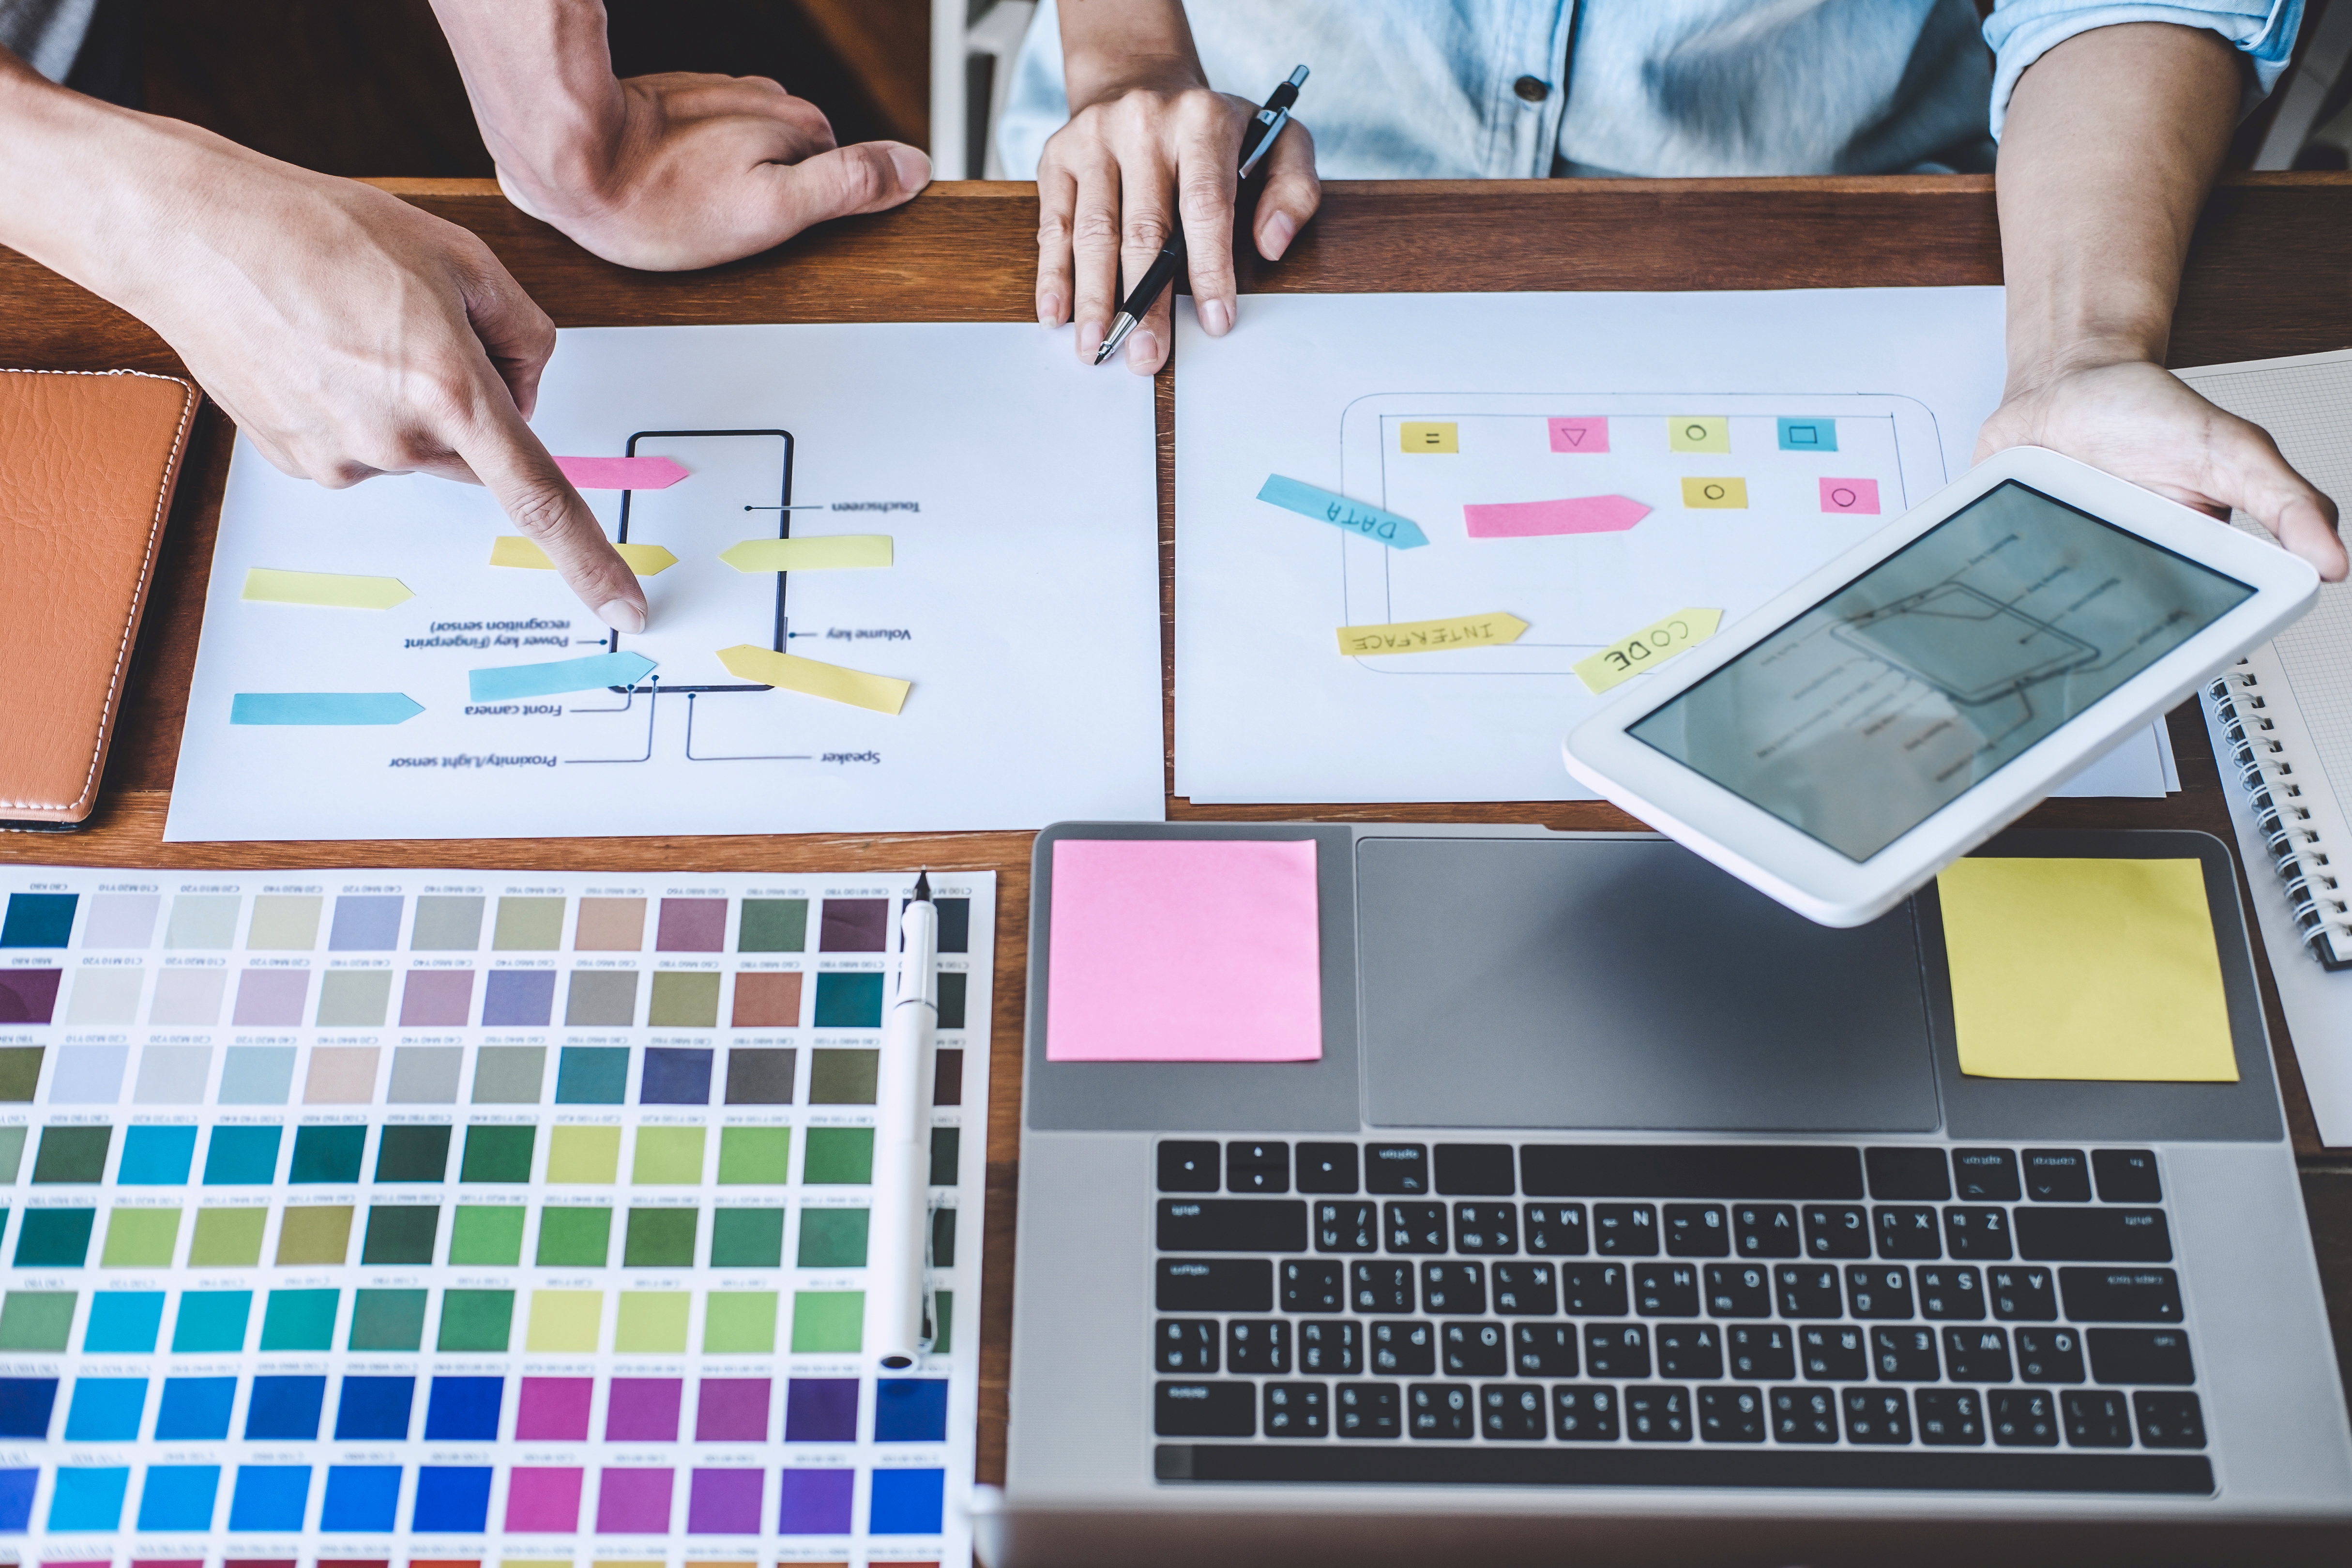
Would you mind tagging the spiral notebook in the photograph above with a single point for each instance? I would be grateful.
(2282, 724)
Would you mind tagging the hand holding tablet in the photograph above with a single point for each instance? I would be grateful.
(1904, 703)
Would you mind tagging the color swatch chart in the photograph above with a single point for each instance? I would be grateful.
(477, 1216)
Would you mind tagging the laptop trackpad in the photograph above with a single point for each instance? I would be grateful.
(1586, 983)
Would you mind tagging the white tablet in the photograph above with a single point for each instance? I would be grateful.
(1897, 708)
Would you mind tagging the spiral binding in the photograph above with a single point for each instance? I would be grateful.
(2267, 776)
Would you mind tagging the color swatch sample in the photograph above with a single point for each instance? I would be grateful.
(345, 1230)
(1184, 950)
(2085, 968)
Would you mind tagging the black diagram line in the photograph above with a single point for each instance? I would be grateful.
(692, 758)
(653, 698)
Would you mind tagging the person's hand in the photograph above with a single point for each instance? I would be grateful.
(2141, 423)
(682, 171)
(346, 333)
(1107, 185)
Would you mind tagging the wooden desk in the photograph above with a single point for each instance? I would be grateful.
(2272, 274)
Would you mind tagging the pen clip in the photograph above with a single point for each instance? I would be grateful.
(1273, 120)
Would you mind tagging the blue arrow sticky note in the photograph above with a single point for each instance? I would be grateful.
(322, 708)
(1387, 527)
(504, 681)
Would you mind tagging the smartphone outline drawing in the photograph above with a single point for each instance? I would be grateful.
(784, 530)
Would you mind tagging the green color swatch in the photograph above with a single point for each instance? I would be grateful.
(574, 1237)
(227, 1239)
(668, 1156)
(843, 1077)
(401, 1234)
(739, 1322)
(141, 1238)
(475, 1320)
(20, 1073)
(839, 1154)
(487, 1233)
(747, 1238)
(497, 1155)
(773, 925)
(412, 1155)
(832, 1238)
(36, 1320)
(528, 925)
(684, 999)
(72, 1154)
(659, 1239)
(387, 1320)
(328, 1153)
(755, 1155)
(826, 1322)
(54, 1238)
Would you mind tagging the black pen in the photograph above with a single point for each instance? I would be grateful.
(1265, 126)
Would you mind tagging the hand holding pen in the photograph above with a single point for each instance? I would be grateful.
(1111, 181)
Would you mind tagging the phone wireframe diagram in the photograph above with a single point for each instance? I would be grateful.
(738, 486)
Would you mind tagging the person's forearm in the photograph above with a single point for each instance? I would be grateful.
(1109, 46)
(2112, 141)
(540, 74)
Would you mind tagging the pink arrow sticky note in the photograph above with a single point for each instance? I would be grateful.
(621, 473)
(1580, 514)
(1579, 435)
(1850, 495)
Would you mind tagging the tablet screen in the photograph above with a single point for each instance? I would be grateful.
(1886, 702)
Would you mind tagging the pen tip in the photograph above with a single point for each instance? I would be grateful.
(923, 886)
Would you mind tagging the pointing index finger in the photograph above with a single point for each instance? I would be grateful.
(506, 455)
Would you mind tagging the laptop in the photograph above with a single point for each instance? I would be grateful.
(1629, 1218)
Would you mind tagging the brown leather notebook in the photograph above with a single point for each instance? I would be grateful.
(88, 462)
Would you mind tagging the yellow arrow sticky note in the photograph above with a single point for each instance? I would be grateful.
(514, 550)
(1652, 645)
(1726, 494)
(266, 586)
(812, 677)
(1432, 637)
(823, 553)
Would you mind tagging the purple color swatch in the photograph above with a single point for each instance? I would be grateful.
(554, 1408)
(724, 1503)
(543, 1501)
(517, 998)
(434, 999)
(271, 997)
(632, 1502)
(30, 995)
(366, 924)
(855, 925)
(816, 1502)
(692, 925)
(644, 1410)
(821, 1410)
(732, 1410)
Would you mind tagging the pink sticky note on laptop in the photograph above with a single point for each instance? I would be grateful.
(1192, 950)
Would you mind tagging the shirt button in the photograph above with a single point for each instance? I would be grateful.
(1535, 90)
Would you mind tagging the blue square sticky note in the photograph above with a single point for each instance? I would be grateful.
(270, 1496)
(849, 1001)
(123, 1320)
(212, 1320)
(16, 1490)
(89, 1498)
(1808, 435)
(907, 1502)
(243, 1156)
(104, 1410)
(38, 920)
(285, 1407)
(361, 1498)
(373, 1408)
(178, 1497)
(300, 1320)
(451, 1498)
(26, 1405)
(195, 1407)
(464, 1408)
(910, 1410)
(156, 1156)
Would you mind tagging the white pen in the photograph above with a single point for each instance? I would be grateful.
(897, 1244)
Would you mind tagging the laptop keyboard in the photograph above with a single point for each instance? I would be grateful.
(1806, 1315)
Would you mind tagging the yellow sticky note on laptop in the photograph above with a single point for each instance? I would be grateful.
(2085, 968)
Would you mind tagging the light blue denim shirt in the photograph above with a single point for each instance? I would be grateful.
(1471, 89)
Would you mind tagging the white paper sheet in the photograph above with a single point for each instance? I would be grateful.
(1022, 603)
(1319, 389)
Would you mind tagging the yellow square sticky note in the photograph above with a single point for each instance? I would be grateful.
(1429, 437)
(565, 1320)
(2085, 968)
(1698, 433)
(584, 1155)
(1715, 492)
(652, 1320)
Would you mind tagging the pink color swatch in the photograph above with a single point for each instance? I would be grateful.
(632, 1502)
(554, 1409)
(1580, 515)
(544, 1502)
(1200, 950)
(1850, 495)
(643, 1409)
(269, 998)
(620, 473)
(435, 999)
(1579, 435)
(731, 1410)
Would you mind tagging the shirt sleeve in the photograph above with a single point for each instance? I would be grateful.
(2022, 31)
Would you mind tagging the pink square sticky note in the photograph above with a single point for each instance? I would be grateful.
(1850, 495)
(1195, 950)
(1579, 434)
